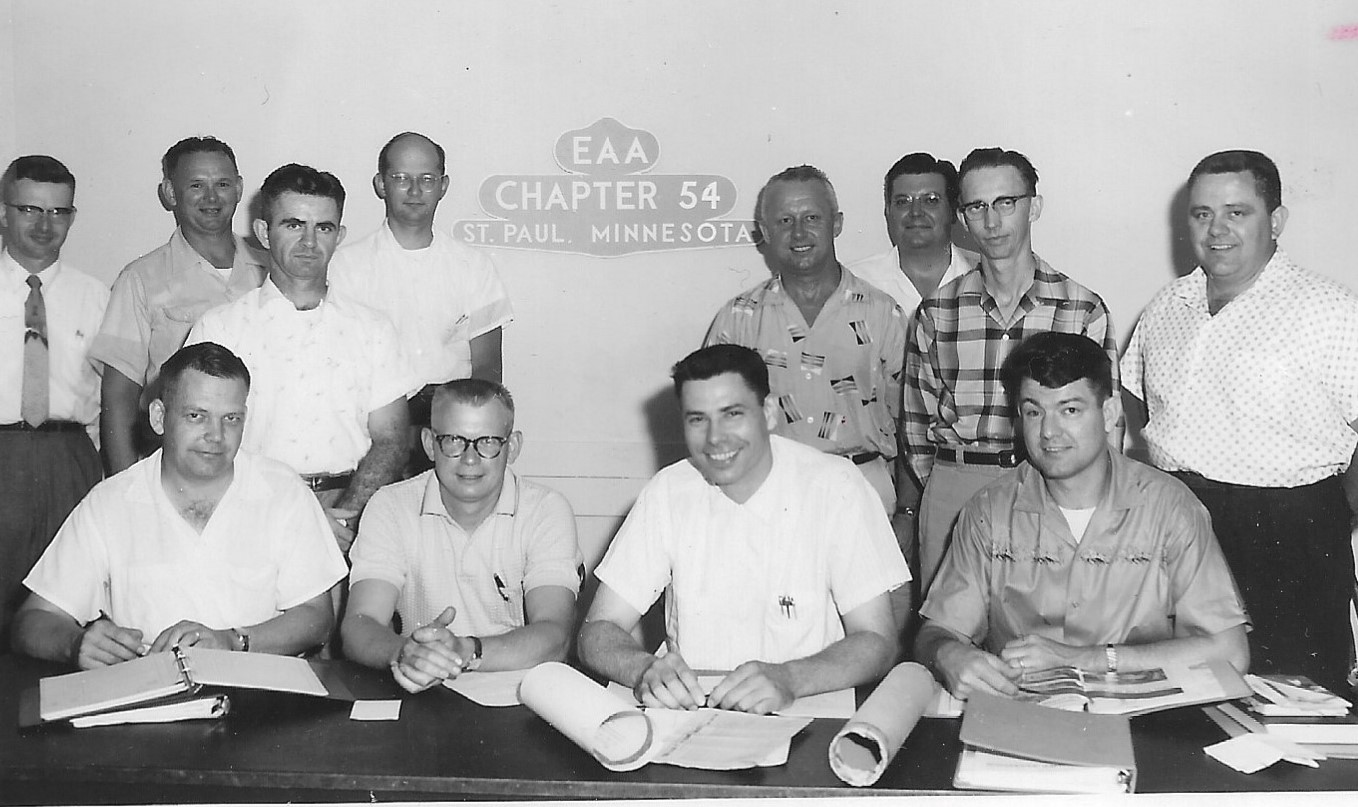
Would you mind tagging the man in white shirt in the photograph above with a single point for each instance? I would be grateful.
(444, 297)
(158, 297)
(776, 560)
(330, 383)
(49, 388)
(1249, 369)
(198, 544)
(481, 565)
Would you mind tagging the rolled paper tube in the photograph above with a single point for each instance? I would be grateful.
(865, 746)
(615, 732)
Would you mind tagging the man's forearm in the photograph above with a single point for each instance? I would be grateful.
(380, 466)
(858, 658)
(45, 635)
(526, 646)
(120, 406)
(369, 642)
(1229, 645)
(295, 630)
(613, 652)
(932, 640)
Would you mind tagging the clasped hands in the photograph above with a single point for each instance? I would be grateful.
(967, 669)
(754, 687)
(104, 642)
(431, 654)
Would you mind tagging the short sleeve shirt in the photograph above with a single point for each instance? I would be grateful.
(407, 538)
(884, 272)
(127, 552)
(315, 375)
(1260, 394)
(158, 297)
(439, 298)
(764, 580)
(1148, 567)
(838, 382)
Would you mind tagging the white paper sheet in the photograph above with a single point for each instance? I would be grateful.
(837, 705)
(376, 710)
(489, 688)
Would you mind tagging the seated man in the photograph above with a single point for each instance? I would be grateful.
(481, 565)
(195, 545)
(1078, 556)
(776, 559)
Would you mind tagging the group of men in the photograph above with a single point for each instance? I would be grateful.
(929, 417)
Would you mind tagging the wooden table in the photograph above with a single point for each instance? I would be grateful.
(275, 747)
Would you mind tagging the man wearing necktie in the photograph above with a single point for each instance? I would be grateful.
(49, 390)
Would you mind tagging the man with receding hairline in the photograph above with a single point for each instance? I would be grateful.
(158, 297)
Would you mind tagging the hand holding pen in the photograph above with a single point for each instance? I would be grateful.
(104, 642)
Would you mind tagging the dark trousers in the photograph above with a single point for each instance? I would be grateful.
(43, 476)
(1290, 552)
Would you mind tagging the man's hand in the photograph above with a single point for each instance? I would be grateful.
(431, 654)
(967, 670)
(670, 684)
(754, 687)
(1030, 653)
(342, 522)
(104, 643)
(191, 634)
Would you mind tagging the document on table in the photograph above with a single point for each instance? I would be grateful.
(488, 688)
(838, 704)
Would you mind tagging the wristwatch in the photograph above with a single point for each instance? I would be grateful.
(1110, 655)
(244, 640)
(475, 662)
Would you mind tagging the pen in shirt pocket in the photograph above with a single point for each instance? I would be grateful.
(501, 587)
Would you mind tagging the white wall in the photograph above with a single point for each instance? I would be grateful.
(1114, 104)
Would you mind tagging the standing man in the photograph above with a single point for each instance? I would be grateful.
(957, 430)
(481, 565)
(444, 297)
(775, 559)
(158, 297)
(1249, 369)
(329, 386)
(49, 387)
(834, 344)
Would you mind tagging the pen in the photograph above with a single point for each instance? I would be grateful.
(500, 585)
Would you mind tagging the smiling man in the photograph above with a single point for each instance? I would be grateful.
(1249, 369)
(330, 380)
(158, 297)
(198, 544)
(1079, 556)
(956, 428)
(775, 559)
(480, 565)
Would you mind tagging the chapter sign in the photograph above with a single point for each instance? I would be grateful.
(605, 204)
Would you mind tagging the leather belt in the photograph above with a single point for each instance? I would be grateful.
(962, 456)
(320, 482)
(48, 426)
(865, 457)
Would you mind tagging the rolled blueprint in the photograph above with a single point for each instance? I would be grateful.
(864, 747)
(614, 731)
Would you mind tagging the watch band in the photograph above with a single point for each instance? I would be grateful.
(1110, 655)
(477, 649)
(244, 639)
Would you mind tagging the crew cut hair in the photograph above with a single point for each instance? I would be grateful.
(194, 145)
(37, 168)
(797, 173)
(472, 392)
(208, 358)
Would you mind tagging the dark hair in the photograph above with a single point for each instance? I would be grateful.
(1267, 182)
(1055, 360)
(998, 158)
(713, 360)
(797, 173)
(194, 145)
(472, 392)
(302, 179)
(923, 163)
(208, 358)
(382, 159)
(38, 168)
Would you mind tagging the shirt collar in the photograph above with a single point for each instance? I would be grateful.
(1119, 492)
(387, 239)
(432, 502)
(20, 275)
(1193, 289)
(271, 295)
(182, 253)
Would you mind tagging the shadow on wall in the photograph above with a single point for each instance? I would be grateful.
(1181, 256)
(666, 430)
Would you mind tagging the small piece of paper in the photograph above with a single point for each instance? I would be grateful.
(488, 688)
(376, 710)
(1249, 753)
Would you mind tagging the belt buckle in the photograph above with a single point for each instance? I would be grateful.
(1007, 459)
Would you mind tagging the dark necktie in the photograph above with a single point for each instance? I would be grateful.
(33, 406)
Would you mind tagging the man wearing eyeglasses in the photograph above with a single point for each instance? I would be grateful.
(480, 565)
(158, 297)
(956, 426)
(49, 388)
(330, 382)
(444, 297)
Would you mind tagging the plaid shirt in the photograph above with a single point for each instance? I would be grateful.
(953, 394)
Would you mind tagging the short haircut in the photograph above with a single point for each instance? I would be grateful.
(998, 158)
(1055, 360)
(37, 168)
(301, 179)
(194, 145)
(1267, 182)
(797, 173)
(472, 392)
(923, 163)
(713, 360)
(208, 358)
(382, 156)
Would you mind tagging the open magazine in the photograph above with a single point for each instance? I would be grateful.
(1132, 692)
